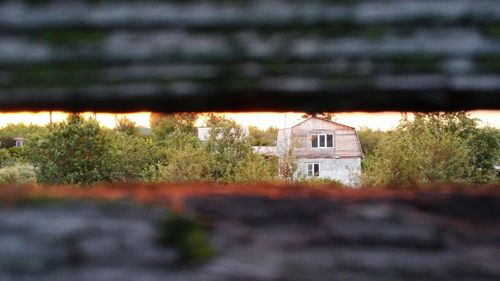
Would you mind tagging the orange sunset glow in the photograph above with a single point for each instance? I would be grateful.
(382, 120)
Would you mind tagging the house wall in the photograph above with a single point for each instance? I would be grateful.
(303, 147)
(341, 162)
(284, 142)
(346, 143)
(302, 138)
(345, 170)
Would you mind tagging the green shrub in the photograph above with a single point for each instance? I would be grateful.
(18, 174)
(76, 151)
(257, 168)
(186, 160)
(318, 182)
(5, 158)
(434, 148)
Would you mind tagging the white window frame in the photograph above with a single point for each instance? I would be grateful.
(318, 136)
(19, 143)
(312, 169)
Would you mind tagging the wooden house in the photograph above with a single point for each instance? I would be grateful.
(322, 148)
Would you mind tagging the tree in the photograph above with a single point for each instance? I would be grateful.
(80, 151)
(431, 148)
(76, 151)
(186, 159)
(164, 124)
(485, 151)
(228, 148)
(9, 132)
(5, 158)
(288, 165)
(231, 158)
(126, 126)
(369, 139)
(263, 137)
(257, 168)
(213, 120)
(130, 157)
(322, 115)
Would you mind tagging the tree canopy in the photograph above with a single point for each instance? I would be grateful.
(76, 151)
(80, 151)
(424, 149)
(434, 148)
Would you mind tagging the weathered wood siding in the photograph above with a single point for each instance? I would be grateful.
(347, 144)
(319, 124)
(345, 140)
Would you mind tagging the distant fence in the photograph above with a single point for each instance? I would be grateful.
(201, 55)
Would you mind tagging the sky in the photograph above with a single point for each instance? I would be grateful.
(382, 120)
(378, 121)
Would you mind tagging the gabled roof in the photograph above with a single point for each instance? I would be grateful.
(347, 144)
(314, 117)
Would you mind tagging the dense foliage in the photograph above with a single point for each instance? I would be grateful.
(432, 148)
(263, 137)
(76, 151)
(424, 149)
(185, 159)
(80, 151)
(18, 174)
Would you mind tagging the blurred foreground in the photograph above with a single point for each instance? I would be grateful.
(248, 233)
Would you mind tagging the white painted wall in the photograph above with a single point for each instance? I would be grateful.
(345, 170)
(284, 141)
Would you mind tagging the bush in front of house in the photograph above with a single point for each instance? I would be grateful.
(319, 182)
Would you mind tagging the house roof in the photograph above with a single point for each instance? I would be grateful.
(346, 140)
(326, 120)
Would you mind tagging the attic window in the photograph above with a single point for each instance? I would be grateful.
(322, 140)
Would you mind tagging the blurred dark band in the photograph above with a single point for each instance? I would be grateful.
(249, 55)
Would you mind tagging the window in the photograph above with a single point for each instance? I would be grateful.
(314, 140)
(19, 143)
(321, 140)
(329, 140)
(313, 169)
